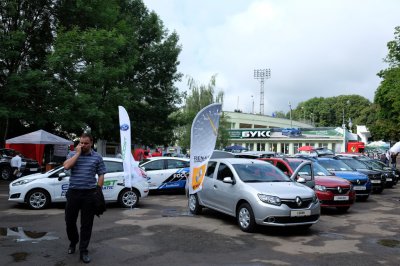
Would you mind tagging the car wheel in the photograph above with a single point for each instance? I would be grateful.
(38, 199)
(245, 218)
(194, 206)
(128, 198)
(343, 209)
(6, 173)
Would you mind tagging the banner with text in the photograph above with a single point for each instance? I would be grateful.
(202, 143)
(132, 172)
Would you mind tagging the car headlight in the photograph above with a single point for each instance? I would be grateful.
(274, 200)
(315, 199)
(320, 188)
(22, 182)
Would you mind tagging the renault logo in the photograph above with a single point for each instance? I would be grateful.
(298, 201)
(339, 189)
(358, 181)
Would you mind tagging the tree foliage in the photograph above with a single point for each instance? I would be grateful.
(387, 96)
(26, 34)
(332, 111)
(105, 53)
(199, 97)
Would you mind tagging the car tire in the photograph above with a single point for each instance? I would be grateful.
(245, 218)
(194, 206)
(38, 199)
(128, 198)
(343, 209)
(6, 173)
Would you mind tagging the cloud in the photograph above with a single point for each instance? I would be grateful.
(313, 48)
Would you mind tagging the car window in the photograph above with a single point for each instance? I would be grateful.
(114, 167)
(334, 165)
(211, 169)
(224, 171)
(260, 173)
(172, 164)
(282, 167)
(154, 165)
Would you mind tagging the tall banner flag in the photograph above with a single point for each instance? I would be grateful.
(132, 172)
(202, 143)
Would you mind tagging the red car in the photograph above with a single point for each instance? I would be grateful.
(331, 191)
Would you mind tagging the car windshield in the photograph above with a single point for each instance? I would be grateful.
(334, 165)
(355, 164)
(377, 164)
(260, 172)
(318, 169)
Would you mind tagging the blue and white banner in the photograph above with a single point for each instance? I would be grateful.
(202, 143)
(132, 172)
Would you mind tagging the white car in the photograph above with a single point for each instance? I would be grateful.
(166, 173)
(39, 190)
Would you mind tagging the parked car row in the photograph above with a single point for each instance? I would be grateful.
(274, 191)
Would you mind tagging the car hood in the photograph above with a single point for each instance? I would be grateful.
(32, 176)
(282, 189)
(351, 175)
(368, 171)
(331, 181)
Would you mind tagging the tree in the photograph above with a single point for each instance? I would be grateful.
(387, 96)
(199, 97)
(118, 54)
(26, 34)
(331, 111)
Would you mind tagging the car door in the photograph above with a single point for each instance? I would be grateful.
(206, 193)
(113, 180)
(222, 195)
(178, 171)
(156, 173)
(59, 182)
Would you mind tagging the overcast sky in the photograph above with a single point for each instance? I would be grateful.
(313, 48)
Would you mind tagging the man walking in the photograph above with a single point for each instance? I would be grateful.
(16, 163)
(84, 163)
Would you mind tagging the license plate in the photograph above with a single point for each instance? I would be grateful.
(389, 179)
(300, 213)
(33, 169)
(359, 188)
(376, 181)
(341, 198)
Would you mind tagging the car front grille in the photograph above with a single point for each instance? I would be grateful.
(358, 182)
(305, 203)
(336, 203)
(288, 220)
(336, 190)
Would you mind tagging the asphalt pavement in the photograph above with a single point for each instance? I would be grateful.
(162, 232)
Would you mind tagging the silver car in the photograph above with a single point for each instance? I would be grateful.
(256, 192)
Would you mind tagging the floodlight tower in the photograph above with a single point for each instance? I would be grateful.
(262, 74)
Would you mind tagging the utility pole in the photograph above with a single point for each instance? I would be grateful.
(262, 74)
(290, 114)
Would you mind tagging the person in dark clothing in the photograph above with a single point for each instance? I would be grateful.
(84, 163)
(393, 158)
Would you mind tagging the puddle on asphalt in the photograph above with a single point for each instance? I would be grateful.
(391, 243)
(20, 235)
(175, 213)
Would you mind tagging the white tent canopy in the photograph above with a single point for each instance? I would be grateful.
(39, 137)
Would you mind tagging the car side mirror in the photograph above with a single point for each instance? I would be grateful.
(301, 180)
(61, 176)
(228, 180)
